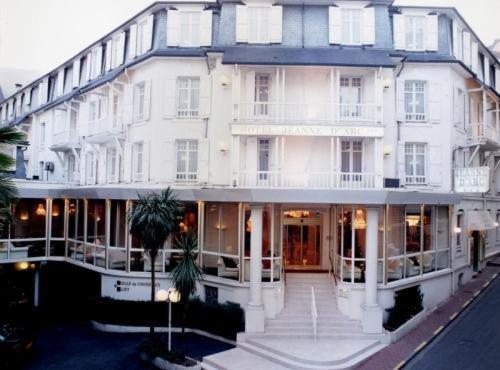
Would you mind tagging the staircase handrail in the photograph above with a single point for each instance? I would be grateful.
(314, 314)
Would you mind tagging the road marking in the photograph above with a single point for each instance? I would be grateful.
(486, 284)
(399, 366)
(422, 345)
(477, 293)
(438, 330)
(466, 303)
(453, 316)
(495, 275)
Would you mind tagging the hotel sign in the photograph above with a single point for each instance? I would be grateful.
(472, 180)
(302, 130)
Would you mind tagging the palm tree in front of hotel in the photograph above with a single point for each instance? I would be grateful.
(153, 218)
(9, 136)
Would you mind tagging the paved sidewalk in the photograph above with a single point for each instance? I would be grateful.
(395, 355)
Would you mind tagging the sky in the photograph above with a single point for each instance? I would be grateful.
(41, 34)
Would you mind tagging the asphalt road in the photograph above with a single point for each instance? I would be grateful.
(78, 347)
(472, 341)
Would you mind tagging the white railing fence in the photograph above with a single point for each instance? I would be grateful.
(482, 130)
(307, 113)
(111, 124)
(314, 315)
(316, 180)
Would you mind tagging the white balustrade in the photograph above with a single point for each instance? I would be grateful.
(109, 124)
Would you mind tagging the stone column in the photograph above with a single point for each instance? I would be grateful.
(254, 312)
(372, 314)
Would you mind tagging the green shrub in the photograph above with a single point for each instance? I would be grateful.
(225, 320)
(407, 303)
(154, 346)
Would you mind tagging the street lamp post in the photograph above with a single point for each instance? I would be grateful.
(171, 296)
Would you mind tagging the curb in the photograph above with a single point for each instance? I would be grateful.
(451, 319)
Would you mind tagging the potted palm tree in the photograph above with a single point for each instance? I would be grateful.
(9, 136)
(153, 218)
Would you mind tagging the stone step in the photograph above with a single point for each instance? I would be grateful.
(293, 360)
(307, 324)
(239, 359)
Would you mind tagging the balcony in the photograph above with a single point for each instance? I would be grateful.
(105, 129)
(65, 141)
(483, 134)
(308, 180)
(323, 114)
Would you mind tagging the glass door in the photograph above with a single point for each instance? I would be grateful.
(302, 239)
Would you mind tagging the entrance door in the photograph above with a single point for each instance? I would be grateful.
(302, 239)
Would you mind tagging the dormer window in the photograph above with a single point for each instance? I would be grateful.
(414, 32)
(258, 25)
(190, 29)
(351, 26)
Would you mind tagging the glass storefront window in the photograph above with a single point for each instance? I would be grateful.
(118, 223)
(57, 228)
(30, 215)
(96, 221)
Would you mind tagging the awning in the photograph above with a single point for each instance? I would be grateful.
(480, 220)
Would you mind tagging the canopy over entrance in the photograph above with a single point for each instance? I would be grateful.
(480, 221)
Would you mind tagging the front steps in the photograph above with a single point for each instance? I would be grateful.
(288, 341)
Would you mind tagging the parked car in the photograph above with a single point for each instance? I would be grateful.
(16, 341)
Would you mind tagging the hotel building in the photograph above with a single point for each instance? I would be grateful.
(354, 137)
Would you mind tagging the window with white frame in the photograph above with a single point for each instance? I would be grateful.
(351, 159)
(187, 160)
(90, 168)
(95, 110)
(137, 160)
(261, 94)
(414, 32)
(415, 100)
(350, 97)
(258, 24)
(141, 31)
(458, 231)
(188, 96)
(189, 35)
(459, 111)
(139, 94)
(415, 163)
(71, 168)
(351, 26)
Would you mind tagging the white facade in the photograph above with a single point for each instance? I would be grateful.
(327, 141)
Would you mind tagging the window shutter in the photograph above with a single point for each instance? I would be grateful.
(241, 23)
(497, 79)
(60, 82)
(455, 39)
(435, 170)
(132, 42)
(474, 57)
(127, 162)
(466, 46)
(147, 36)
(434, 102)
(401, 163)
(147, 99)
(399, 32)
(206, 28)
(145, 161)
(168, 163)
(89, 64)
(98, 62)
(120, 53)
(368, 24)
(76, 73)
(109, 50)
(276, 24)
(169, 98)
(236, 93)
(486, 70)
(334, 25)
(400, 100)
(203, 156)
(172, 27)
(128, 103)
(205, 94)
(431, 33)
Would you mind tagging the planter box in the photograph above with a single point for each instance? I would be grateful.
(408, 326)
